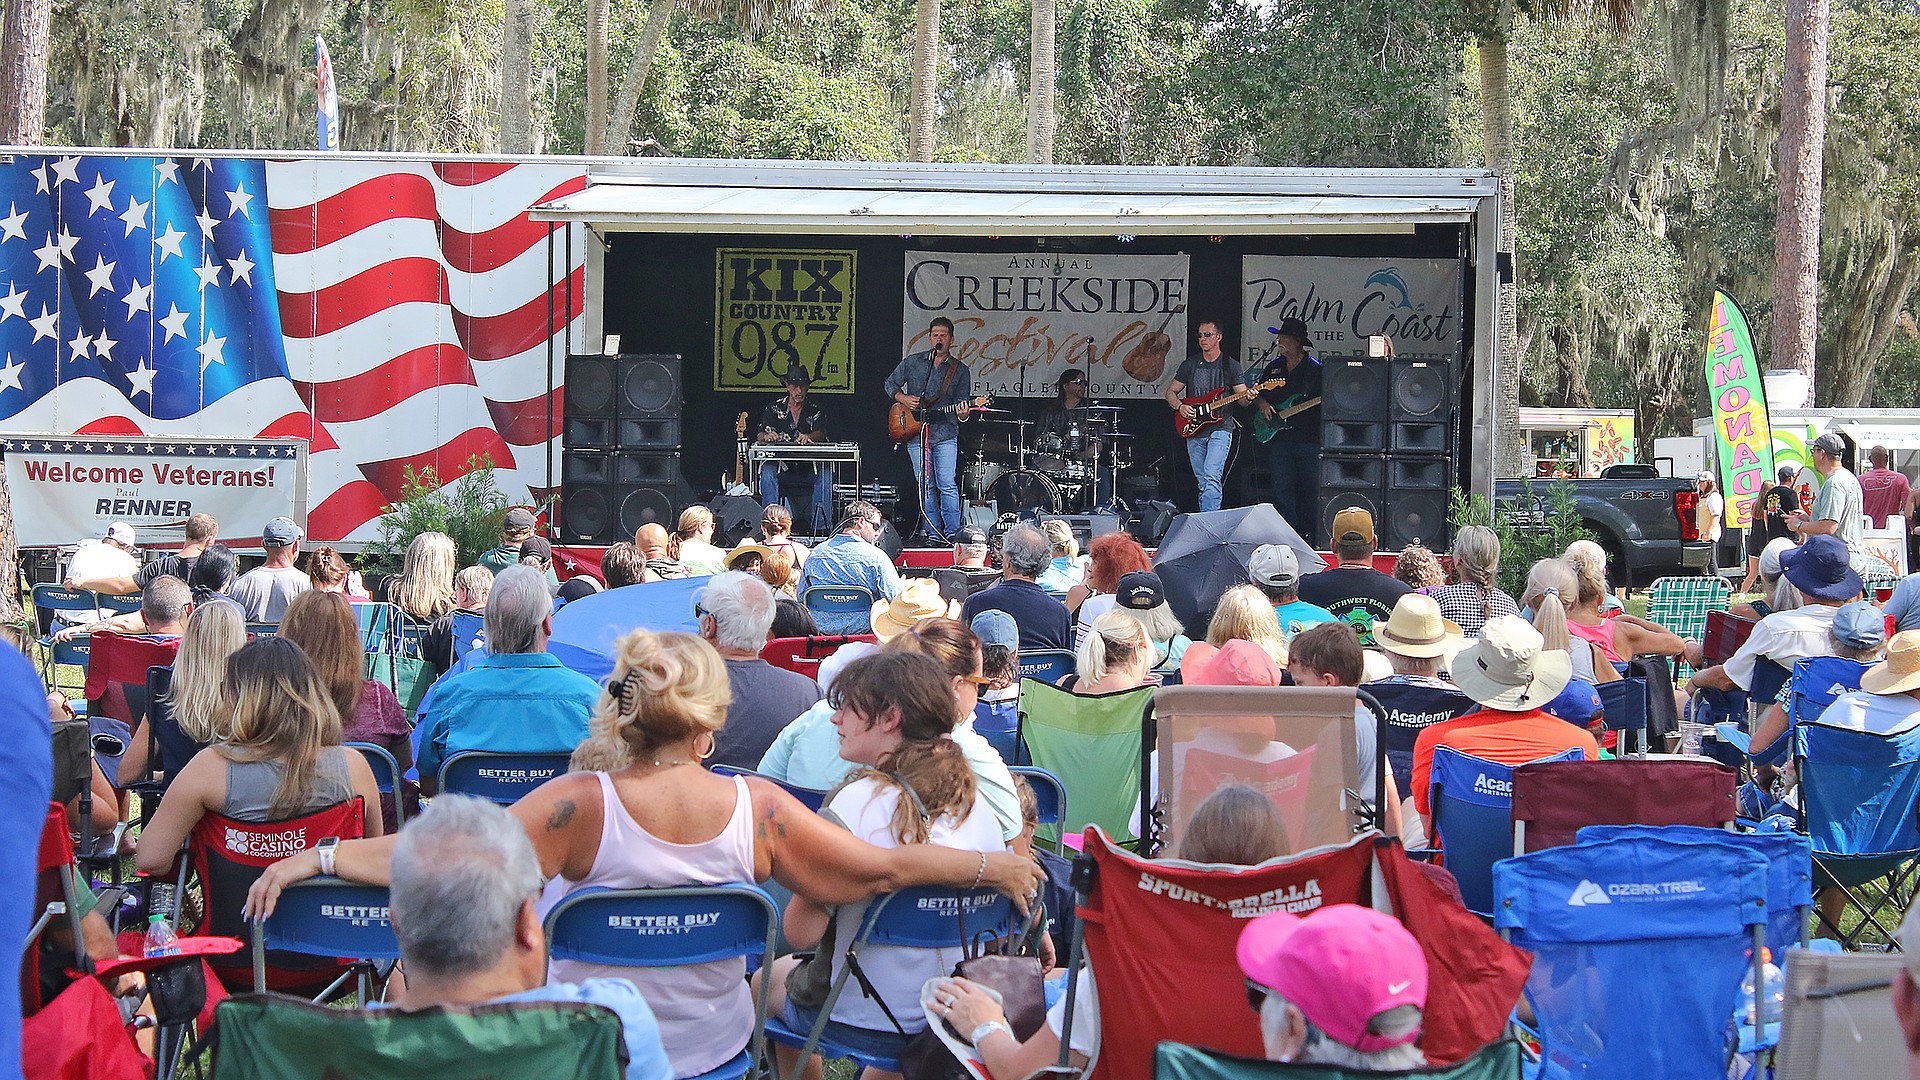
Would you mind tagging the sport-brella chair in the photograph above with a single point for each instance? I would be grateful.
(1639, 945)
(1172, 1061)
(1204, 555)
(1857, 796)
(1297, 745)
(584, 631)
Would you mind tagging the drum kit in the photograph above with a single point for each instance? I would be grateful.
(1066, 469)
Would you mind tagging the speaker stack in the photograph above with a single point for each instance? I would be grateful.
(621, 469)
(1386, 446)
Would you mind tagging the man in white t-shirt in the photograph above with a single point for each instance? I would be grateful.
(265, 591)
(111, 556)
(1818, 568)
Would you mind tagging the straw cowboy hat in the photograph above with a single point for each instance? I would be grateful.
(1900, 671)
(1416, 628)
(1507, 669)
(918, 599)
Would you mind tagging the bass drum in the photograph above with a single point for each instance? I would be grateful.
(980, 478)
(1024, 489)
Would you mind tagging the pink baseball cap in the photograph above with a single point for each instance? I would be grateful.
(1237, 663)
(1341, 965)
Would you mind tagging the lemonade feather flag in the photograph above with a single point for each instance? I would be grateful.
(1742, 432)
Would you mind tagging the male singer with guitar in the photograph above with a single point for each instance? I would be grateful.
(1293, 441)
(1208, 372)
(938, 389)
(792, 420)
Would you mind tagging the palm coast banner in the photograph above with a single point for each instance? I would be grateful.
(1344, 301)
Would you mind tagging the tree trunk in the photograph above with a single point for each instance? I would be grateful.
(926, 59)
(1040, 80)
(516, 71)
(1496, 125)
(1798, 165)
(599, 28)
(25, 43)
(621, 129)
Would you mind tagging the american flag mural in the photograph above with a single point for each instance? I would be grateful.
(393, 313)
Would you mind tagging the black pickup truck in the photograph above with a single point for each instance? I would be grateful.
(1643, 520)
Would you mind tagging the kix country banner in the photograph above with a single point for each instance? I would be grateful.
(1743, 438)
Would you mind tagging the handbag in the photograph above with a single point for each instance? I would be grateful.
(1008, 966)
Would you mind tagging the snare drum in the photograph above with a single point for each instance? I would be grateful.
(1024, 489)
(980, 478)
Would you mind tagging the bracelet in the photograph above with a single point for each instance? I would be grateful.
(987, 1029)
(980, 875)
(326, 860)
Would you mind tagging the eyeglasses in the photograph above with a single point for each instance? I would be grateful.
(700, 612)
(1256, 995)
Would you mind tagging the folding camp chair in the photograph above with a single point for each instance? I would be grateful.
(1471, 802)
(1049, 794)
(1789, 869)
(998, 722)
(116, 686)
(263, 629)
(1553, 800)
(469, 630)
(1816, 681)
(1172, 1061)
(923, 918)
(1046, 665)
(1623, 707)
(270, 1035)
(1857, 798)
(1681, 604)
(48, 599)
(1838, 1017)
(386, 777)
(1724, 635)
(337, 919)
(170, 748)
(1639, 946)
(499, 778)
(842, 601)
(693, 925)
(811, 798)
(805, 654)
(1094, 744)
(379, 627)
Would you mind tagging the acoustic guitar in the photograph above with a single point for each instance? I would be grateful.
(904, 423)
(1148, 360)
(1210, 409)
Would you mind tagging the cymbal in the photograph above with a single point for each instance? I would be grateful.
(1097, 408)
(1116, 435)
(991, 420)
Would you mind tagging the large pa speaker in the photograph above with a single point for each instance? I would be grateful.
(607, 495)
(624, 402)
(1420, 408)
(735, 519)
(1415, 502)
(1351, 481)
(1353, 388)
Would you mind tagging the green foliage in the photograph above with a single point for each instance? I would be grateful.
(1532, 526)
(470, 510)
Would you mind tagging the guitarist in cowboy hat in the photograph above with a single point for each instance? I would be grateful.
(939, 388)
(1207, 371)
(1293, 442)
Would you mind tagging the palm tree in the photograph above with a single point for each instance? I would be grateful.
(599, 23)
(1040, 80)
(1799, 161)
(25, 43)
(926, 58)
(516, 72)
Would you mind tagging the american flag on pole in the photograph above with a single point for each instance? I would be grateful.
(393, 313)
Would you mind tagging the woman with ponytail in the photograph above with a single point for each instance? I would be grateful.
(1474, 597)
(1551, 585)
(1117, 655)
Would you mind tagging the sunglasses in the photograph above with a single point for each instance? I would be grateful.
(1256, 995)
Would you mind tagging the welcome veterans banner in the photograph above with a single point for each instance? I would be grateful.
(1742, 433)
(1021, 319)
(1344, 301)
(66, 489)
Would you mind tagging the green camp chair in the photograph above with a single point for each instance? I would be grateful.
(1681, 604)
(1095, 745)
(258, 1035)
(1173, 1061)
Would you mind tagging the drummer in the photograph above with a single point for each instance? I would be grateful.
(1068, 430)
(1070, 392)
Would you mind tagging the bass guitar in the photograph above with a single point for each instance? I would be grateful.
(1210, 409)
(904, 423)
(1266, 427)
(1147, 361)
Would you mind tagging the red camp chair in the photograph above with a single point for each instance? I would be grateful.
(1160, 937)
(1552, 800)
(804, 654)
(117, 674)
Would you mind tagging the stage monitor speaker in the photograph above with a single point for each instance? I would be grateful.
(1422, 390)
(1149, 524)
(1087, 526)
(1410, 516)
(1353, 388)
(889, 540)
(735, 519)
(607, 495)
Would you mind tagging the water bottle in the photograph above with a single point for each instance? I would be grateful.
(160, 937)
(1773, 992)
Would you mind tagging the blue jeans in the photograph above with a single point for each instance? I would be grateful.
(1208, 453)
(821, 510)
(1295, 483)
(940, 499)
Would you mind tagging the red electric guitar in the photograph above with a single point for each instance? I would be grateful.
(1210, 409)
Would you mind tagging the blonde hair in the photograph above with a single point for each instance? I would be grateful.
(1476, 562)
(1591, 572)
(281, 712)
(424, 589)
(1060, 536)
(665, 687)
(213, 632)
(1114, 639)
(1246, 614)
(692, 520)
(1550, 583)
(322, 624)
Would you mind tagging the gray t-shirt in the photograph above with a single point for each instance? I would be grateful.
(264, 591)
(765, 700)
(1839, 500)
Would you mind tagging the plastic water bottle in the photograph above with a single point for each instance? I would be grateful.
(160, 937)
(1773, 992)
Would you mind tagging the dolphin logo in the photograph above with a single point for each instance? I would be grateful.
(1390, 279)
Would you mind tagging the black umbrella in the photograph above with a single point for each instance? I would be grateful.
(1204, 555)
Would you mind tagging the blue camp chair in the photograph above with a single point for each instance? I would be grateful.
(1639, 947)
(469, 632)
(840, 600)
(499, 778)
(926, 917)
(263, 629)
(1623, 706)
(1048, 792)
(693, 925)
(326, 916)
(810, 798)
(1815, 682)
(1472, 811)
(1047, 665)
(379, 627)
(386, 777)
(1857, 797)
(998, 722)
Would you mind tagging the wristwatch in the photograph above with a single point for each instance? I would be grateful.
(325, 848)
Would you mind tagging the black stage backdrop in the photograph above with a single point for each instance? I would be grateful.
(660, 293)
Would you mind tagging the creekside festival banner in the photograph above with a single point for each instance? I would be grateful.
(1344, 301)
(70, 488)
(1742, 435)
(1021, 319)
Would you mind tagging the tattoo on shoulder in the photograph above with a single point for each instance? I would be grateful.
(562, 814)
